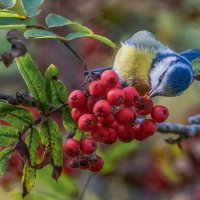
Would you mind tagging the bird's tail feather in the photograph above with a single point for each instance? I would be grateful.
(193, 55)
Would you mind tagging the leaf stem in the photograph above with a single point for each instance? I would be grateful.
(66, 44)
(85, 187)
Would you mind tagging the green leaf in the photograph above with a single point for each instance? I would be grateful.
(51, 137)
(12, 23)
(16, 116)
(72, 36)
(34, 81)
(32, 142)
(54, 20)
(8, 3)
(8, 13)
(41, 34)
(56, 91)
(4, 157)
(104, 40)
(8, 135)
(68, 122)
(31, 7)
(28, 179)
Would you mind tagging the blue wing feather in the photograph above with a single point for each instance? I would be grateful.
(191, 54)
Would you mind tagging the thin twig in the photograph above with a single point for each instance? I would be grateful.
(21, 97)
(188, 130)
(76, 54)
(195, 119)
(85, 187)
(66, 44)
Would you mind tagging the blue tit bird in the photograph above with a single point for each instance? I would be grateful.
(150, 66)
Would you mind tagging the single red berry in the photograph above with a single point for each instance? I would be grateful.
(91, 101)
(144, 106)
(112, 136)
(119, 86)
(107, 120)
(115, 96)
(102, 108)
(71, 147)
(77, 99)
(97, 88)
(131, 95)
(88, 145)
(115, 125)
(148, 126)
(76, 113)
(125, 133)
(87, 122)
(101, 134)
(97, 166)
(138, 133)
(109, 78)
(125, 116)
(159, 113)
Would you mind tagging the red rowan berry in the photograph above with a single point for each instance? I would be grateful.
(88, 145)
(97, 88)
(71, 147)
(138, 133)
(131, 96)
(90, 102)
(125, 116)
(115, 96)
(102, 108)
(143, 106)
(109, 78)
(125, 133)
(76, 99)
(112, 136)
(148, 126)
(101, 134)
(114, 125)
(76, 113)
(159, 113)
(119, 85)
(107, 120)
(87, 122)
(97, 166)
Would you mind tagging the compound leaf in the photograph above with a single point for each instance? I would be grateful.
(31, 7)
(54, 20)
(72, 36)
(28, 179)
(32, 142)
(9, 13)
(51, 138)
(40, 34)
(34, 80)
(8, 135)
(16, 116)
(56, 91)
(4, 157)
(8, 3)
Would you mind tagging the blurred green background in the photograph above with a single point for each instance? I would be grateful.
(149, 170)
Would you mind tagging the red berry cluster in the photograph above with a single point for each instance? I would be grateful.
(109, 113)
(82, 154)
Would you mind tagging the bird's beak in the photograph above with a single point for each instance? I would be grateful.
(153, 93)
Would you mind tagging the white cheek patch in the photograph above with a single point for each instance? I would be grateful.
(159, 69)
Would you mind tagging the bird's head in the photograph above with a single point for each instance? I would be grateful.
(170, 74)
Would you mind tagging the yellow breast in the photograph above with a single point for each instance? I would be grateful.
(132, 65)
